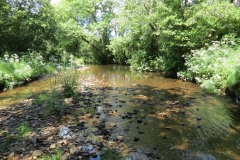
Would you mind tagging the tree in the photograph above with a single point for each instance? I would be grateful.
(4, 23)
(154, 35)
(27, 25)
(87, 22)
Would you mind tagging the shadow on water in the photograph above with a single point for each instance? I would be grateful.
(159, 118)
(199, 127)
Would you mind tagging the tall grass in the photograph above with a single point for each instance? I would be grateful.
(63, 85)
(68, 79)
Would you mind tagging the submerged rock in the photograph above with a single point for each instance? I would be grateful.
(139, 121)
(136, 139)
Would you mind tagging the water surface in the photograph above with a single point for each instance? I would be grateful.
(171, 119)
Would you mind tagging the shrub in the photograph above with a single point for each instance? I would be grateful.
(233, 81)
(15, 70)
(63, 85)
(141, 61)
(216, 67)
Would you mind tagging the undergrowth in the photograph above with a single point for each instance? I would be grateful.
(15, 70)
(215, 68)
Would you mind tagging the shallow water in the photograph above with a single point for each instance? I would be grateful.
(171, 119)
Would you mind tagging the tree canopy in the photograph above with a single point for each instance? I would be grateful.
(149, 35)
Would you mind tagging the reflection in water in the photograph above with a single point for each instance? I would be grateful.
(12, 96)
(99, 109)
(169, 118)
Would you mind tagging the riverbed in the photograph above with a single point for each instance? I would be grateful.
(159, 118)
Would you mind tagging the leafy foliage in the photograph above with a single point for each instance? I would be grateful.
(233, 81)
(15, 70)
(26, 25)
(64, 84)
(87, 29)
(216, 67)
(23, 130)
(165, 30)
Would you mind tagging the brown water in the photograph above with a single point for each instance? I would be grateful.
(178, 119)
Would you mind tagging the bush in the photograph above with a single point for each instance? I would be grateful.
(233, 81)
(23, 130)
(15, 70)
(216, 67)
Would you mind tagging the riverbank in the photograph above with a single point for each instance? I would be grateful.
(26, 133)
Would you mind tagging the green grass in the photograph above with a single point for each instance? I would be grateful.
(23, 130)
(55, 156)
(63, 85)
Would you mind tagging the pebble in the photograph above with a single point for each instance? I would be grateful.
(53, 146)
(120, 138)
(11, 156)
(139, 121)
(34, 141)
(73, 151)
(94, 154)
(65, 156)
(37, 153)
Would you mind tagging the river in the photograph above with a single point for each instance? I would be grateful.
(159, 117)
